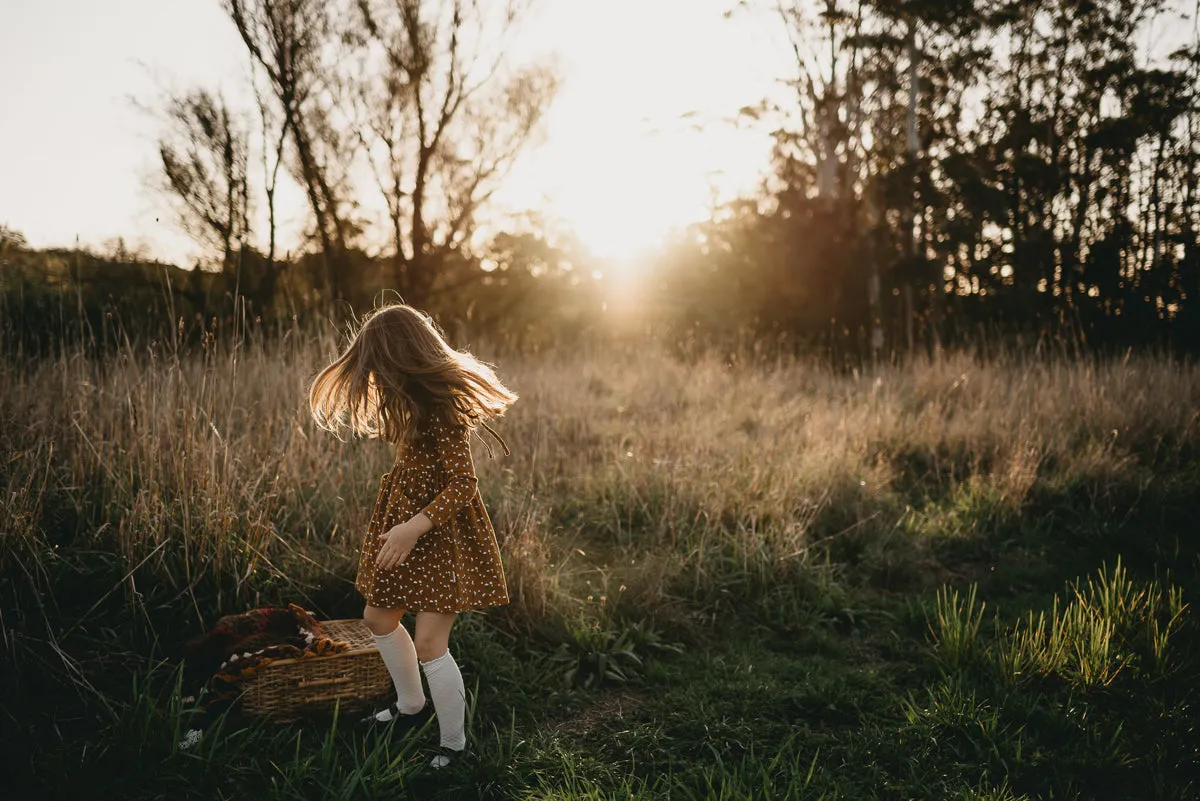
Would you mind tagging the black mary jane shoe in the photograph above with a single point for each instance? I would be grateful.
(400, 722)
(442, 757)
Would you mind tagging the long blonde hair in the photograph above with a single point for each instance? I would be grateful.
(397, 374)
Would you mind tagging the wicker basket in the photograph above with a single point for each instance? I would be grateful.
(285, 689)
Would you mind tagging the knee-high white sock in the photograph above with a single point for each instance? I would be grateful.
(400, 656)
(449, 700)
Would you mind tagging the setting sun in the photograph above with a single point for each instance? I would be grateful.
(645, 142)
(649, 183)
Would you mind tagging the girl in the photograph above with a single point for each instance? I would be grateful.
(429, 545)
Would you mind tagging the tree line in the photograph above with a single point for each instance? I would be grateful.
(949, 167)
(942, 170)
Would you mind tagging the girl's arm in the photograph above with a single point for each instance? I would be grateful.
(454, 454)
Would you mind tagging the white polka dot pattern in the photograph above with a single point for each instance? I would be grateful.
(456, 565)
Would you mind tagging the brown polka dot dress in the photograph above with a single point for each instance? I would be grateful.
(455, 566)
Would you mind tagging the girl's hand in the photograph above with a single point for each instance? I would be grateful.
(398, 541)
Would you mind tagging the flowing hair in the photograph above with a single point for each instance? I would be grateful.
(398, 374)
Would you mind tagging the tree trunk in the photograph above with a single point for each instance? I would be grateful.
(316, 201)
(914, 146)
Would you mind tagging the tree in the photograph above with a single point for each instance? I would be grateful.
(204, 154)
(443, 117)
(1024, 164)
(11, 240)
(288, 40)
(273, 141)
(849, 147)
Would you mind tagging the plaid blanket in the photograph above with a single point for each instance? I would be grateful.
(216, 663)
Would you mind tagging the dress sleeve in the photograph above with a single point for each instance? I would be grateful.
(457, 470)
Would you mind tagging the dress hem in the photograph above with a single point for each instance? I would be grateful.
(457, 610)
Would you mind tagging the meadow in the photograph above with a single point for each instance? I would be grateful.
(731, 577)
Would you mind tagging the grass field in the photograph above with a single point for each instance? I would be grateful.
(951, 579)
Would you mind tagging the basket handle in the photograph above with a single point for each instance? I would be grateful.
(324, 682)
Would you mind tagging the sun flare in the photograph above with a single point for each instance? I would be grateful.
(627, 204)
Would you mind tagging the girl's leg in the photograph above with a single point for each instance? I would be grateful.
(382, 621)
(445, 681)
(400, 656)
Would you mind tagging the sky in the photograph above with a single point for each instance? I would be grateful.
(634, 146)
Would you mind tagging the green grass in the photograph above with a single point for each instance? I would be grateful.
(950, 579)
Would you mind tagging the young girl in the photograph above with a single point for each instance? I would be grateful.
(429, 546)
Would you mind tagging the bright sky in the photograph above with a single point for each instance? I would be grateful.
(620, 163)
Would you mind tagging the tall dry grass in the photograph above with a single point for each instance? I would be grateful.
(640, 480)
